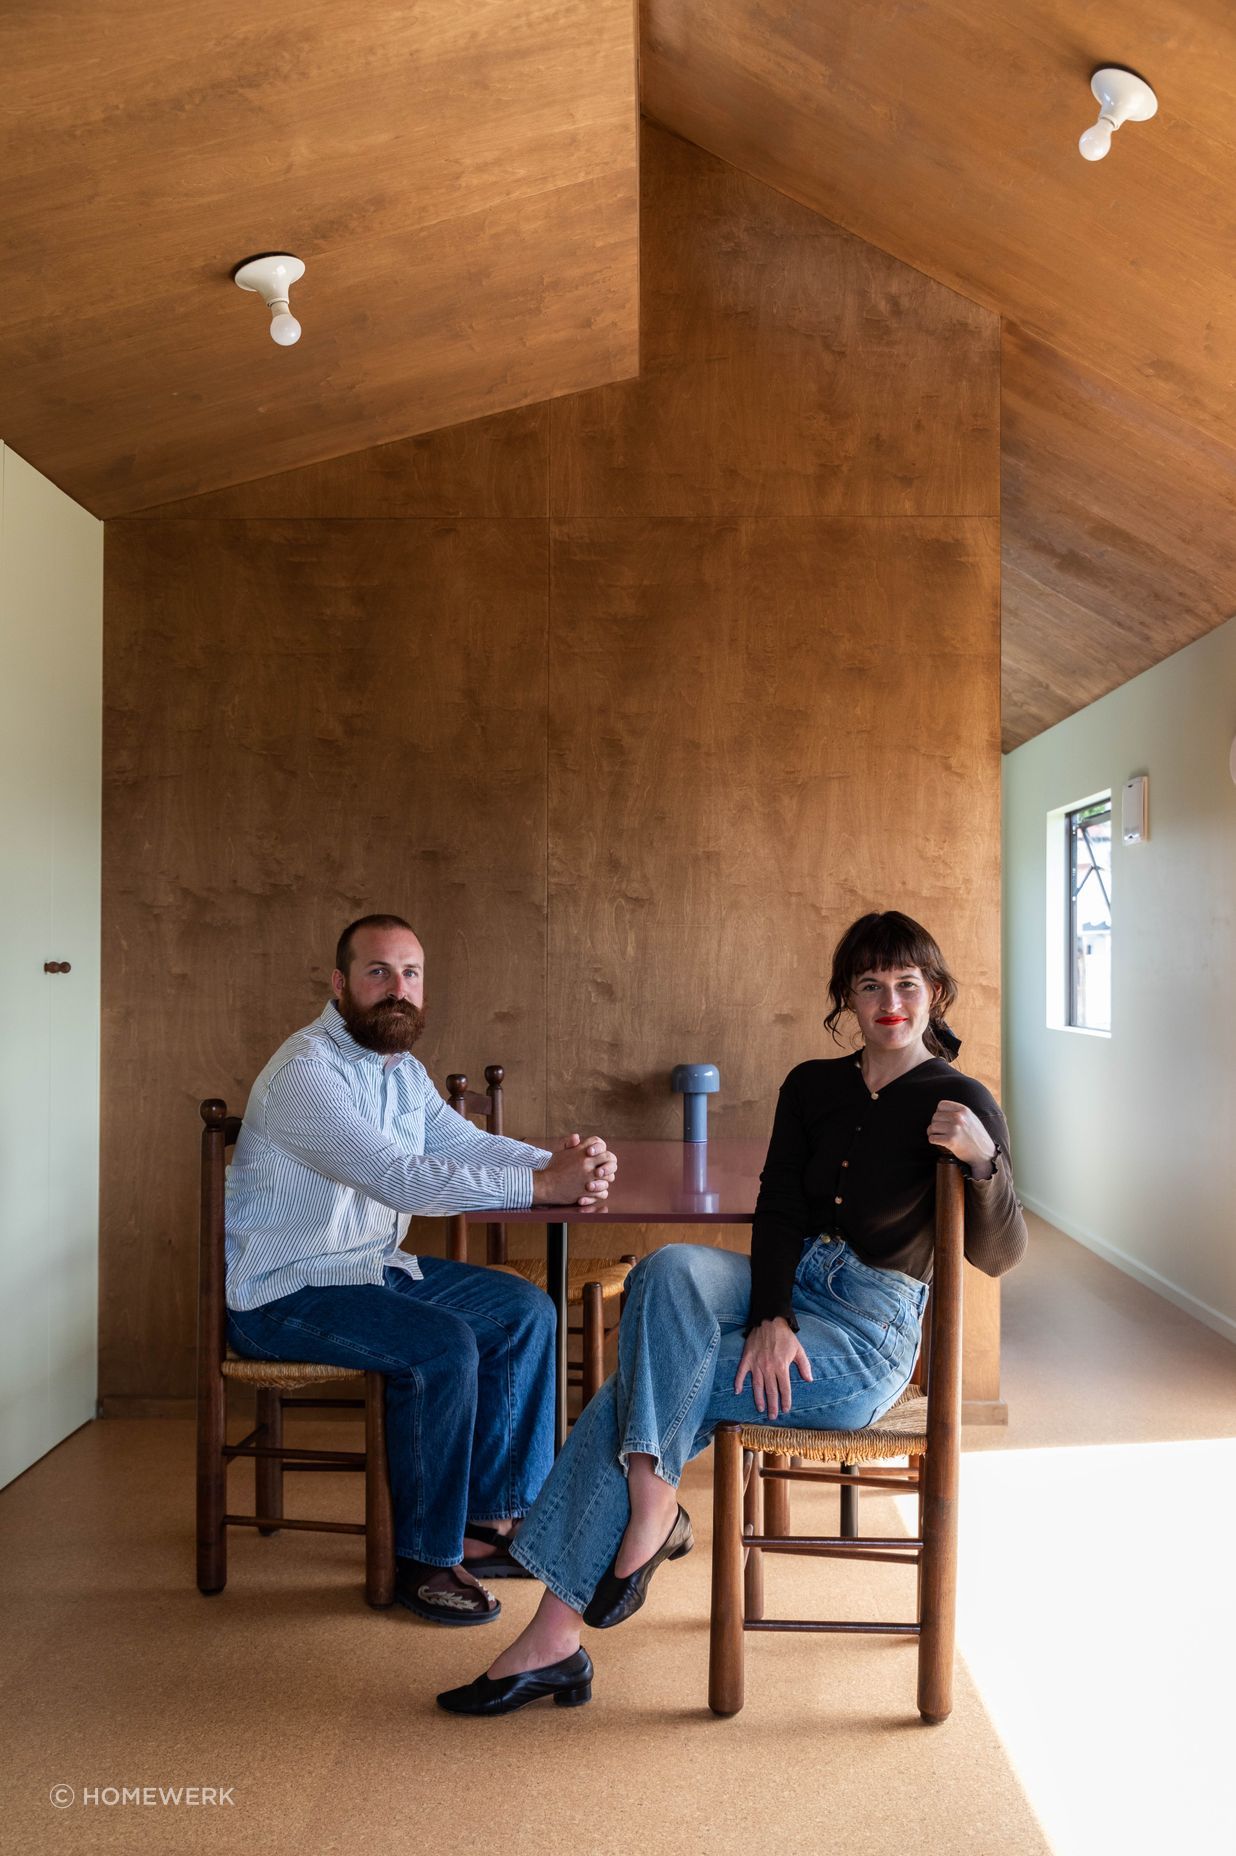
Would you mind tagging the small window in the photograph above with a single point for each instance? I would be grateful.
(1088, 846)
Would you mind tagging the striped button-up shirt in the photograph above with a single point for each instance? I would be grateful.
(339, 1147)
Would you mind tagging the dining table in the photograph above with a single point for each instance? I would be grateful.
(658, 1183)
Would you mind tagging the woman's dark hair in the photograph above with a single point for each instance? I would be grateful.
(877, 942)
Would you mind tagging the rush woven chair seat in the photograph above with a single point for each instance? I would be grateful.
(275, 1382)
(288, 1375)
(594, 1285)
(755, 1464)
(900, 1432)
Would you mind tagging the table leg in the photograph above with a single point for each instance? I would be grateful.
(556, 1282)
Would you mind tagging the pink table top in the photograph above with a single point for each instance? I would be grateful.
(669, 1182)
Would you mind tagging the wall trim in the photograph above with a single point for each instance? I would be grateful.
(1201, 1311)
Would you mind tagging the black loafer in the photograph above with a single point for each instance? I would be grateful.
(617, 1599)
(569, 1682)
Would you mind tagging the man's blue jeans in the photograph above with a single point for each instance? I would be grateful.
(469, 1361)
(678, 1351)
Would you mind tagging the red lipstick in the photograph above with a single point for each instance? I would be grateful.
(890, 1021)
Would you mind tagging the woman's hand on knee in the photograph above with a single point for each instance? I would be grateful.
(771, 1350)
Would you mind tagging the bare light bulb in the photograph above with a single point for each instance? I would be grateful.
(1122, 97)
(284, 327)
(271, 277)
(1097, 139)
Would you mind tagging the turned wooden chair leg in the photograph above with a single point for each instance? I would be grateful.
(592, 1354)
(379, 1509)
(916, 1464)
(942, 1467)
(752, 1510)
(776, 1497)
(211, 1485)
(725, 1654)
(268, 1470)
(939, 1595)
(849, 1505)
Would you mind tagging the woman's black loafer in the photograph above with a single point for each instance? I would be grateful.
(569, 1682)
(617, 1599)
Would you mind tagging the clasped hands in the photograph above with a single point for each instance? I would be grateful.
(578, 1174)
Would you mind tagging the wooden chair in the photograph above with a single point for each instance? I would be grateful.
(276, 1381)
(755, 1464)
(594, 1287)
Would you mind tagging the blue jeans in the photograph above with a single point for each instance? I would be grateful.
(469, 1361)
(678, 1350)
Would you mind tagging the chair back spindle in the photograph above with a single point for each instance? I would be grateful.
(470, 1102)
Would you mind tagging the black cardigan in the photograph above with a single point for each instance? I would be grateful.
(843, 1162)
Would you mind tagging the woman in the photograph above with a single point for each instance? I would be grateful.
(820, 1327)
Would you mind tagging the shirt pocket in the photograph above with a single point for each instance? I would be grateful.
(408, 1130)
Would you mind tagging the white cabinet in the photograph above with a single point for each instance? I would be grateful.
(51, 637)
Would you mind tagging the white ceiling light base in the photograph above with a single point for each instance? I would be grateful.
(271, 277)
(1122, 97)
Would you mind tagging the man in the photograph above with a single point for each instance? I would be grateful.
(344, 1137)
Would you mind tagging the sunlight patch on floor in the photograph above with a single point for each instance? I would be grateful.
(1097, 1616)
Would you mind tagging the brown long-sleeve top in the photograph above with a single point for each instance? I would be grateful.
(847, 1162)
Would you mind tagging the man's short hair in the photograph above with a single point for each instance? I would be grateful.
(343, 953)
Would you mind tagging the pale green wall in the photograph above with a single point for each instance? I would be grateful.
(1128, 1143)
(51, 710)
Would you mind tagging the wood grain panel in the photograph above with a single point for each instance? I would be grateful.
(1119, 535)
(795, 715)
(823, 379)
(758, 722)
(305, 721)
(489, 467)
(461, 183)
(800, 724)
(946, 134)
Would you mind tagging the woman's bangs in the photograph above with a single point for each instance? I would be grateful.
(887, 945)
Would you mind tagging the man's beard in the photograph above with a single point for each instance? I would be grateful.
(390, 1026)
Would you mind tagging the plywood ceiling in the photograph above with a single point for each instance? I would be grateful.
(945, 132)
(461, 181)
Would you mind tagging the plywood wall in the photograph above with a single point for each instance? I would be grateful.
(630, 702)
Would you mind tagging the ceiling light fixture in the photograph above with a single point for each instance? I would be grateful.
(1122, 97)
(271, 276)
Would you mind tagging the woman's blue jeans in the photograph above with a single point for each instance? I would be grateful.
(469, 1361)
(678, 1350)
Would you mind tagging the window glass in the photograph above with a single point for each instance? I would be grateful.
(1088, 841)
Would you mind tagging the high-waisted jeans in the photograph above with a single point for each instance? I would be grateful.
(678, 1351)
(469, 1361)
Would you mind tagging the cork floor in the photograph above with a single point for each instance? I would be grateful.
(1095, 1629)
